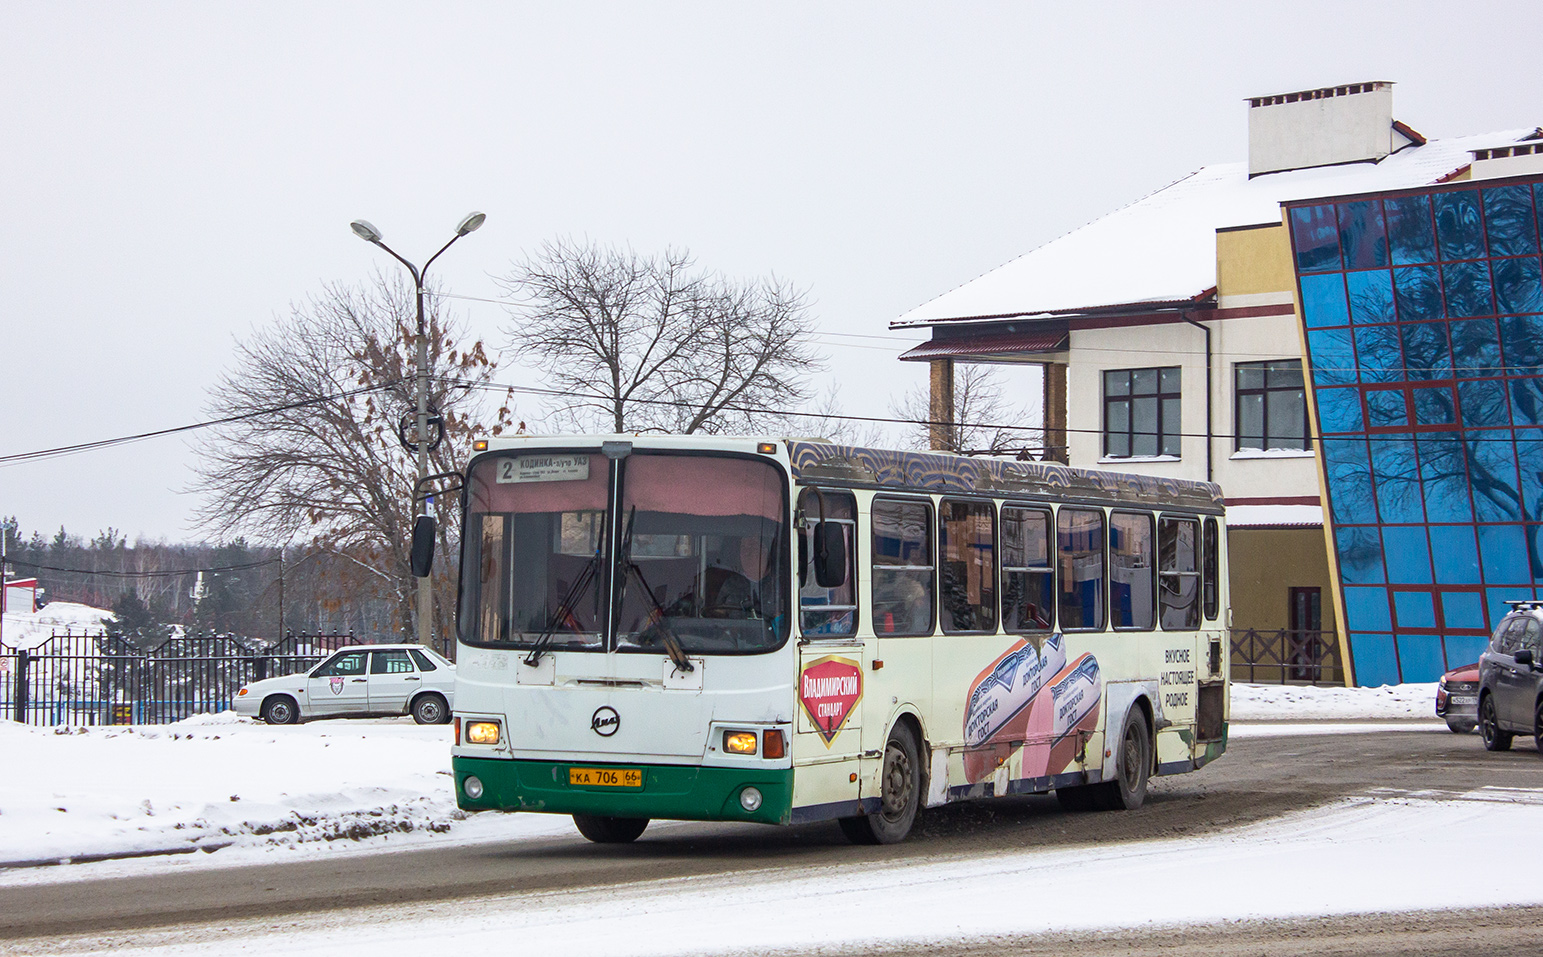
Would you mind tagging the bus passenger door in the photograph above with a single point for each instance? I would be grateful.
(828, 742)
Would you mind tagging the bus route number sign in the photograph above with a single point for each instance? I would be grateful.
(605, 777)
(542, 468)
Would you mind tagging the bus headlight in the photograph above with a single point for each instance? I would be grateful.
(749, 799)
(472, 786)
(482, 732)
(739, 742)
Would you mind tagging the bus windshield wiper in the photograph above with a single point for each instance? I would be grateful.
(656, 615)
(564, 609)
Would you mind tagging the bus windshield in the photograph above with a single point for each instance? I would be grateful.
(703, 554)
(700, 553)
(534, 550)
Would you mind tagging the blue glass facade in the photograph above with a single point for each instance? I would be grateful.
(1423, 319)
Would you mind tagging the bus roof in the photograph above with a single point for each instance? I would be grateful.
(815, 461)
(857, 467)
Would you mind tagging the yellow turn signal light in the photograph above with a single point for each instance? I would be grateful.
(739, 742)
(482, 732)
(480, 445)
(774, 744)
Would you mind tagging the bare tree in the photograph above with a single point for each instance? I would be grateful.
(316, 455)
(986, 422)
(635, 343)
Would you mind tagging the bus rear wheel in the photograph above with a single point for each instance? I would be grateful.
(1132, 766)
(900, 799)
(610, 830)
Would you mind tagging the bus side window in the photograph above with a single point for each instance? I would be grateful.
(1132, 568)
(1028, 570)
(967, 567)
(1080, 553)
(1178, 572)
(827, 611)
(1209, 571)
(903, 588)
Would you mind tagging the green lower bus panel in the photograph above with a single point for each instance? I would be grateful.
(666, 792)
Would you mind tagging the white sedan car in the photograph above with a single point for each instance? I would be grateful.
(364, 681)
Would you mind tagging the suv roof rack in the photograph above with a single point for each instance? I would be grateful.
(1524, 604)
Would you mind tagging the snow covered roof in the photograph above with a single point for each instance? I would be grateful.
(32, 628)
(1162, 249)
(1274, 516)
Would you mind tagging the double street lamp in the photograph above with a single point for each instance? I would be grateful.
(370, 234)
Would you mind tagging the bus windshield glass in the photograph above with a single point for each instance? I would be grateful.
(534, 550)
(702, 555)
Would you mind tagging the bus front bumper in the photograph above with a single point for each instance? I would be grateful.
(670, 792)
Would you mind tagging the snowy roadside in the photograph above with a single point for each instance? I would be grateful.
(229, 784)
(1251, 702)
(240, 790)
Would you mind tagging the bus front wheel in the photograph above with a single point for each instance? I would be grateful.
(610, 830)
(900, 799)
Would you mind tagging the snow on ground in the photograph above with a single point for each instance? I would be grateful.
(243, 790)
(223, 782)
(1360, 856)
(1299, 703)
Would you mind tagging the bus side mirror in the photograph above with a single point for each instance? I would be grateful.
(830, 555)
(422, 557)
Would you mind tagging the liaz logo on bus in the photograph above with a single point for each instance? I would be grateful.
(830, 688)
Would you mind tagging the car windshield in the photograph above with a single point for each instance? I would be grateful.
(700, 556)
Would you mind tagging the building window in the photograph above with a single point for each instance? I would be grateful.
(1271, 405)
(1141, 412)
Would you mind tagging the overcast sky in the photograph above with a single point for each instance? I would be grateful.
(174, 175)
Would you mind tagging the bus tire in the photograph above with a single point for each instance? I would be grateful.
(901, 793)
(1132, 766)
(610, 830)
(281, 709)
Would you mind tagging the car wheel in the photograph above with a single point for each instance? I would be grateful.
(1132, 767)
(1460, 727)
(1489, 727)
(610, 830)
(430, 709)
(1537, 728)
(281, 709)
(900, 797)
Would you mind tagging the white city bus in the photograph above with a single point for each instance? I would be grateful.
(787, 631)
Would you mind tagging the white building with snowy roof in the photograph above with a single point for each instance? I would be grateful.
(1172, 344)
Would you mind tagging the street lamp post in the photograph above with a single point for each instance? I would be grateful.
(370, 234)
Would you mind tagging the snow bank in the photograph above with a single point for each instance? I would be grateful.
(217, 782)
(1292, 702)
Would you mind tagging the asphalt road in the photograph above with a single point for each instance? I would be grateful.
(1258, 778)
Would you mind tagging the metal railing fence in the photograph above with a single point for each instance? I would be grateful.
(81, 679)
(1286, 656)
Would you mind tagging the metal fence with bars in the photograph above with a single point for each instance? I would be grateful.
(1286, 656)
(76, 679)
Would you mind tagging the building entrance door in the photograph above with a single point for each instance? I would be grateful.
(1304, 635)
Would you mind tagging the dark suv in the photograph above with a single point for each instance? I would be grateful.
(1511, 678)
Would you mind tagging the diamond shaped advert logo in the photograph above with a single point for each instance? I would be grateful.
(830, 688)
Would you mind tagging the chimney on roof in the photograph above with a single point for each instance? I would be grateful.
(1334, 124)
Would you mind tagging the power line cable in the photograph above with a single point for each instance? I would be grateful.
(20, 457)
